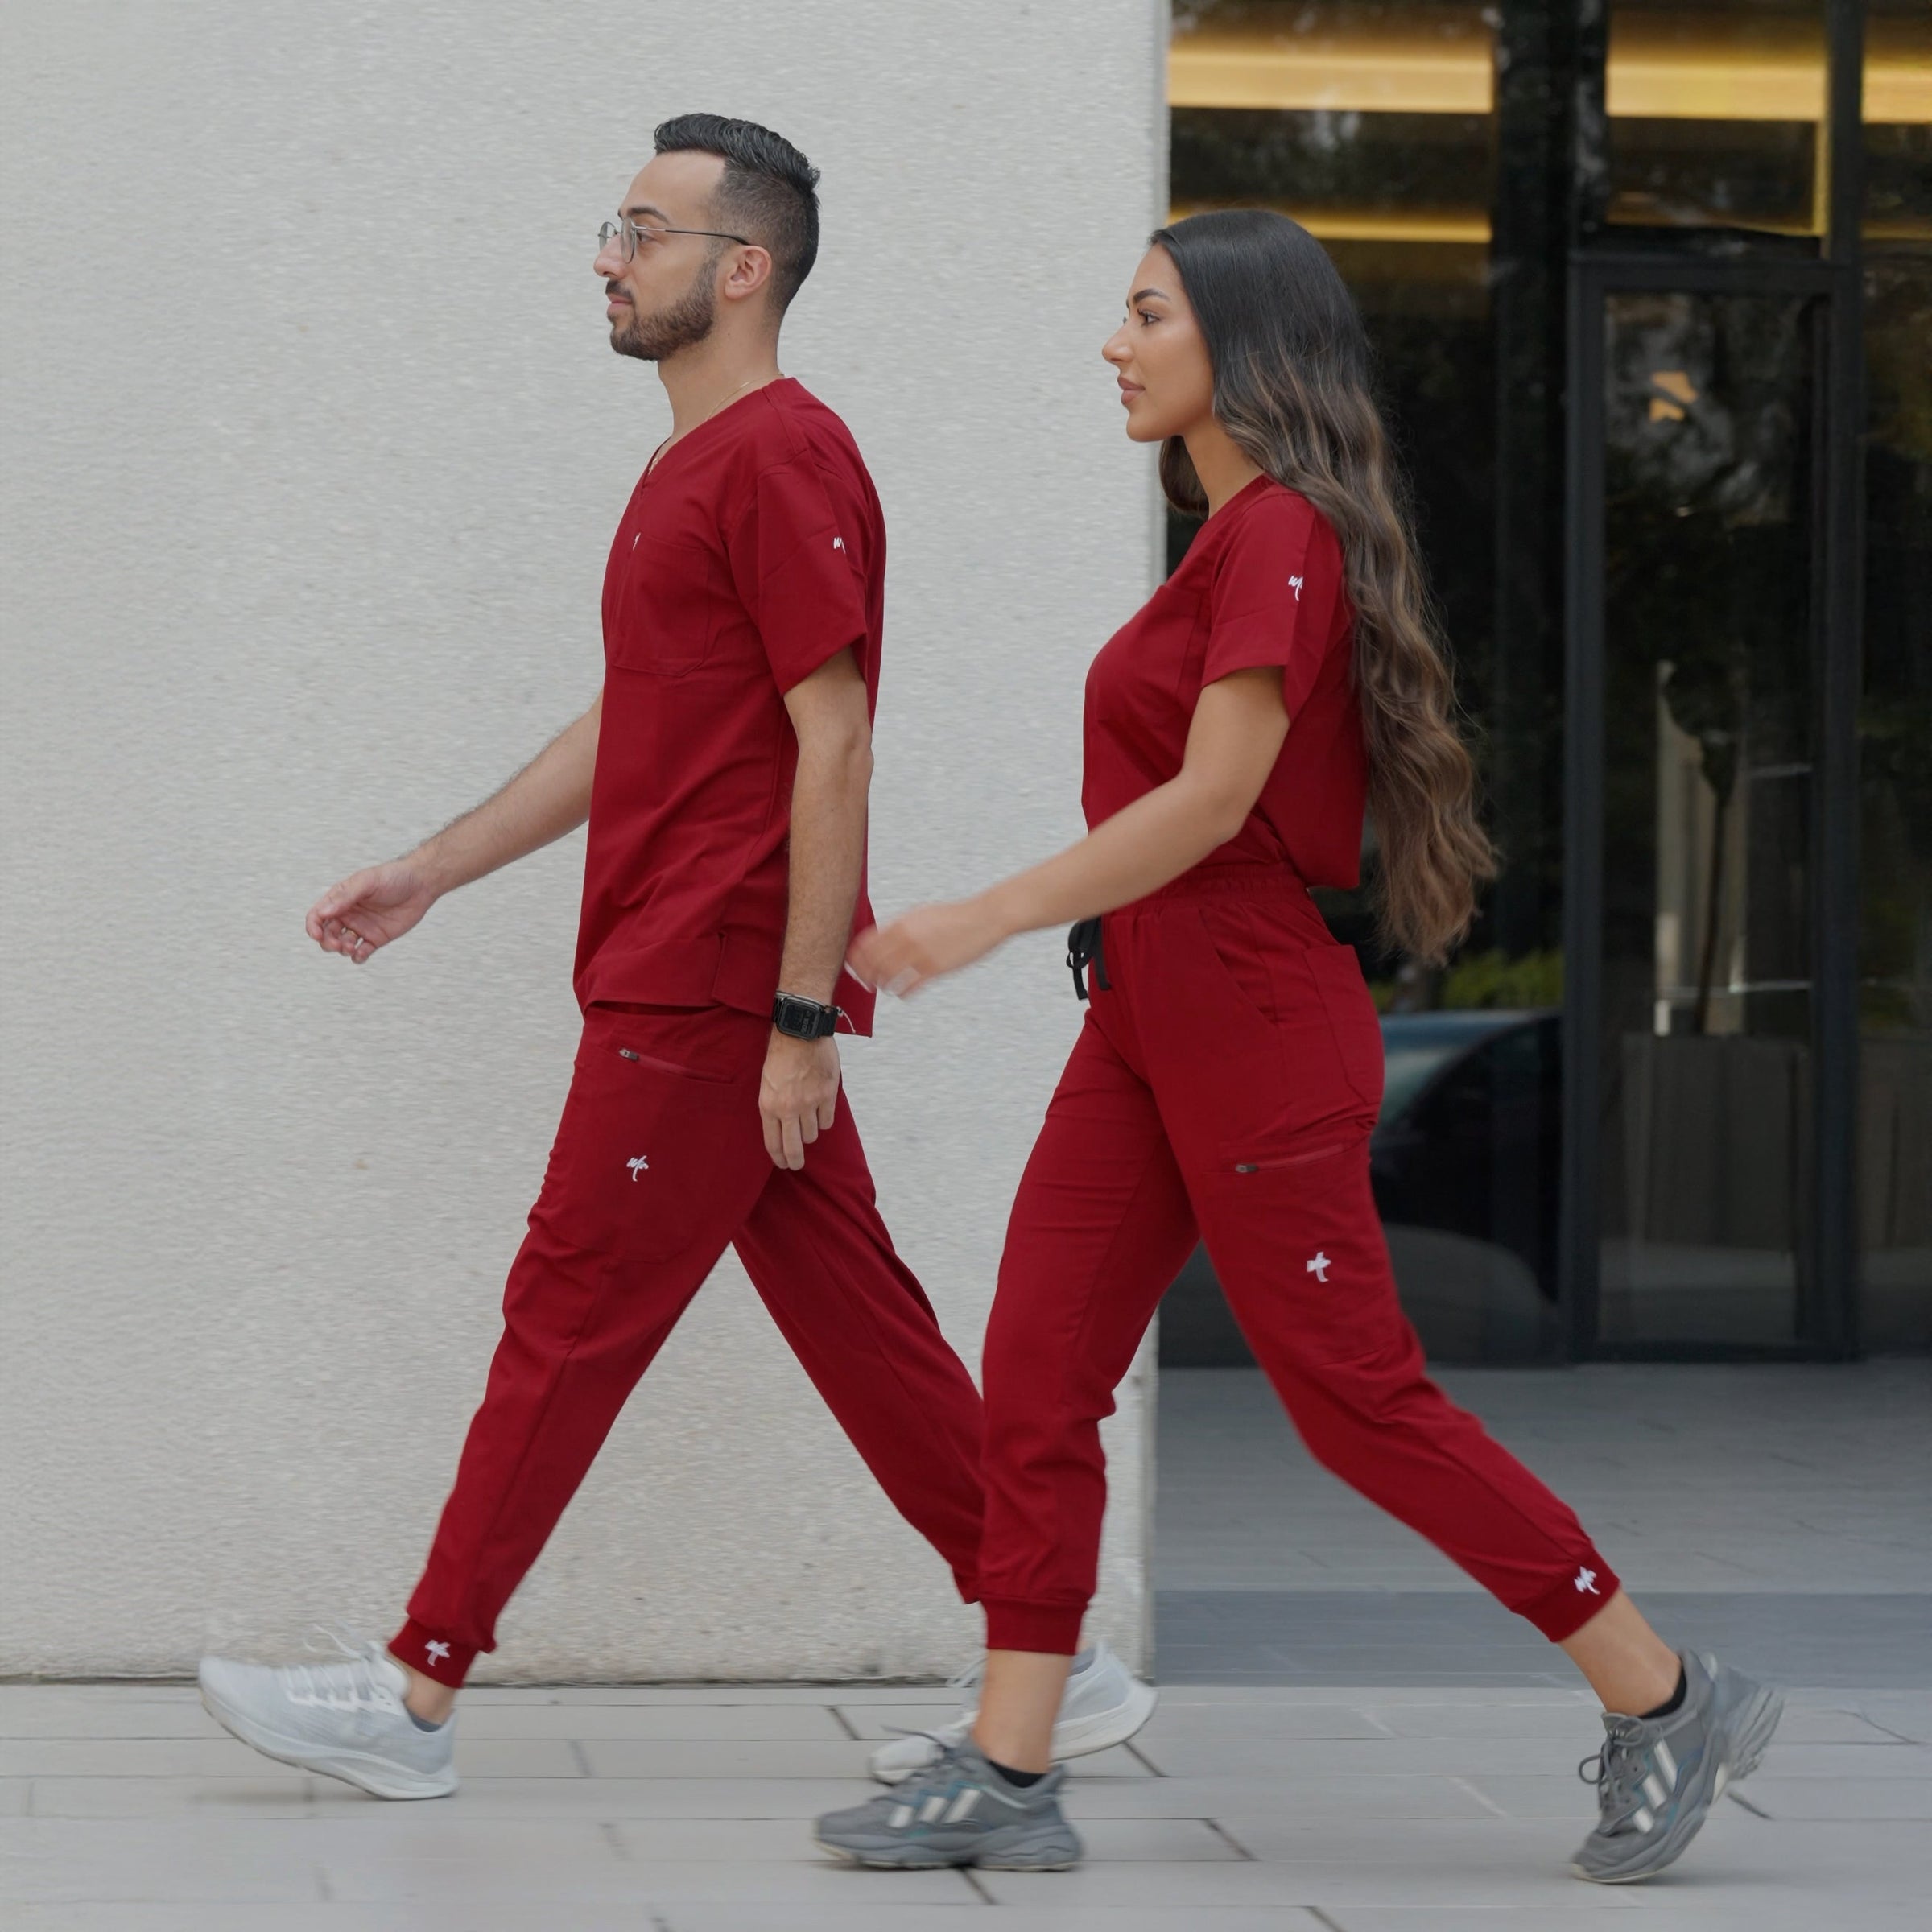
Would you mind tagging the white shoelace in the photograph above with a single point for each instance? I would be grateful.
(349, 1685)
(965, 1681)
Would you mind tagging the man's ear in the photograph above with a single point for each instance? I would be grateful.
(750, 274)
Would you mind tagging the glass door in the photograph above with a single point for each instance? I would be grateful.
(1697, 626)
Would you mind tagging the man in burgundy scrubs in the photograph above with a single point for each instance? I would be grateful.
(723, 769)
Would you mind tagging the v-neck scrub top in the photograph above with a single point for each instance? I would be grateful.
(753, 552)
(1262, 584)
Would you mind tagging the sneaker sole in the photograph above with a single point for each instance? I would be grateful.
(1081, 1737)
(1073, 1737)
(859, 1862)
(378, 1776)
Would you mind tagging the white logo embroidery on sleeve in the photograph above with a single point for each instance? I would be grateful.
(641, 1164)
(1295, 584)
(838, 542)
(1319, 1266)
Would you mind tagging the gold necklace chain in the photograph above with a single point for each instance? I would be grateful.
(716, 409)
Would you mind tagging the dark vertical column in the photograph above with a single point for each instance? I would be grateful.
(1575, 44)
(1528, 252)
(1584, 688)
(1829, 1319)
(1531, 223)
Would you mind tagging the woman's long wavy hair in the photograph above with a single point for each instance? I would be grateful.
(1292, 388)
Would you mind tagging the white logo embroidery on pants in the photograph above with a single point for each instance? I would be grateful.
(1586, 1579)
(1319, 1266)
(1295, 584)
(437, 1651)
(641, 1164)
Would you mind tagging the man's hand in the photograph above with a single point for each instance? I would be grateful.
(798, 1096)
(371, 908)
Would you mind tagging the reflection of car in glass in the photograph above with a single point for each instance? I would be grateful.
(1464, 1161)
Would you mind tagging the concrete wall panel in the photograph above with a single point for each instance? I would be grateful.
(314, 448)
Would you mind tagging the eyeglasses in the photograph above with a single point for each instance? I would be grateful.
(632, 232)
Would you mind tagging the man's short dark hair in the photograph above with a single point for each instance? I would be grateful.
(769, 191)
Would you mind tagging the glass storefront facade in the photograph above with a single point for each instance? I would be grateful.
(1650, 287)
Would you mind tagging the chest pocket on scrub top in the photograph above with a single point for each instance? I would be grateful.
(667, 606)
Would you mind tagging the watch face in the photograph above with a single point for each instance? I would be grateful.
(802, 1018)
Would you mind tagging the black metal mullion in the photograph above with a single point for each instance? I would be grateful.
(1832, 1323)
(1580, 1259)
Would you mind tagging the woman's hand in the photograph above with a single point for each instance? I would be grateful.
(925, 943)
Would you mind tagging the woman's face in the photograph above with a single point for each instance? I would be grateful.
(1161, 355)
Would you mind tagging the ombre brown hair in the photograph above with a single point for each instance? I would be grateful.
(1292, 389)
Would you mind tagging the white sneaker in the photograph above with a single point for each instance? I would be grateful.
(343, 1719)
(1105, 1705)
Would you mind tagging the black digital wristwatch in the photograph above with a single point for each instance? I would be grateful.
(802, 1019)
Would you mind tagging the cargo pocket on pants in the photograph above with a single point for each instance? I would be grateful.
(660, 1136)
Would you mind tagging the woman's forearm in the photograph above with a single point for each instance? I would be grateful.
(1137, 851)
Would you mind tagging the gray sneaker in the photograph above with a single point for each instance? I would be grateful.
(344, 1719)
(1656, 1778)
(957, 1811)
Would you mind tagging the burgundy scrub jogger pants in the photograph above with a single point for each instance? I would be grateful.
(660, 1164)
(1226, 1082)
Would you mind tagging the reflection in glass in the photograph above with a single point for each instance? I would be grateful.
(1895, 759)
(1898, 125)
(1716, 112)
(1373, 123)
(1706, 1160)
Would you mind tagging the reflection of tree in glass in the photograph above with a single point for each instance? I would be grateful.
(1895, 720)
(1707, 578)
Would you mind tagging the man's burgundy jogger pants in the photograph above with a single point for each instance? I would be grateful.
(1225, 1083)
(659, 1164)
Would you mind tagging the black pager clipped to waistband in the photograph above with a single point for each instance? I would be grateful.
(1083, 950)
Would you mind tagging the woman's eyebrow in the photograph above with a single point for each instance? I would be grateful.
(1145, 294)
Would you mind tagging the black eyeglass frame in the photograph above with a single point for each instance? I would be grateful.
(630, 230)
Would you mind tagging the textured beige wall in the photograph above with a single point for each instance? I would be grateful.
(313, 449)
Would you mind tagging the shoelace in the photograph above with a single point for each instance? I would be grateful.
(351, 1685)
(1618, 1775)
(964, 1680)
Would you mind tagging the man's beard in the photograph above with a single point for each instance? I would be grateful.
(684, 324)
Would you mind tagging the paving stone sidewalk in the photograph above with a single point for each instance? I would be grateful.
(1309, 1809)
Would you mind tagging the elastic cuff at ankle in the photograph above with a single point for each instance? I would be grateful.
(1015, 1624)
(435, 1655)
(1566, 1606)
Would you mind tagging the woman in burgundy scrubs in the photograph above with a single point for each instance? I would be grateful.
(1283, 681)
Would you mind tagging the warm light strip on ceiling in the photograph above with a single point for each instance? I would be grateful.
(1371, 73)
(1689, 66)
(1371, 224)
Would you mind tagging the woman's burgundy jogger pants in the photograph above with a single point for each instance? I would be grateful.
(1226, 1082)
